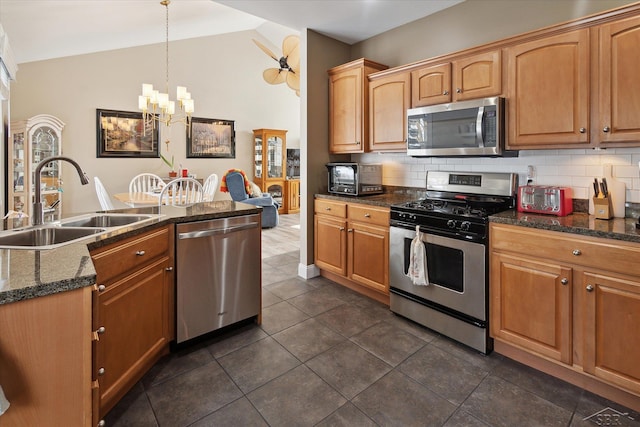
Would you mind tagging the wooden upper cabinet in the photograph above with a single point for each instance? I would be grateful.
(470, 77)
(389, 99)
(549, 91)
(619, 86)
(431, 85)
(478, 76)
(348, 106)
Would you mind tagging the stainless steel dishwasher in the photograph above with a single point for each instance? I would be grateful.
(218, 270)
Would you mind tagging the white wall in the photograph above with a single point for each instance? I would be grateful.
(223, 74)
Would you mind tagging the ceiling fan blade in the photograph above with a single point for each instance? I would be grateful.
(274, 76)
(289, 44)
(293, 81)
(265, 49)
(293, 60)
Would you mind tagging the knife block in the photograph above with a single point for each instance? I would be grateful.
(602, 208)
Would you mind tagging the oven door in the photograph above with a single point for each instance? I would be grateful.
(457, 272)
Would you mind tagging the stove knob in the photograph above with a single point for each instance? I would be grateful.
(451, 223)
(465, 225)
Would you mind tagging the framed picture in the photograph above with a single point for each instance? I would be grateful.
(125, 134)
(211, 138)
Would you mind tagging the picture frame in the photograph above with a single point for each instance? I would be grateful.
(211, 138)
(125, 134)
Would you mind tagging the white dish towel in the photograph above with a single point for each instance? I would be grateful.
(418, 272)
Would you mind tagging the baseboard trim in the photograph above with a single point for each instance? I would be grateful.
(308, 271)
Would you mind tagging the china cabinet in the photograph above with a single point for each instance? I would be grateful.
(31, 141)
(270, 149)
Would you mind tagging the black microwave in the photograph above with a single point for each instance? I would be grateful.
(354, 179)
(465, 128)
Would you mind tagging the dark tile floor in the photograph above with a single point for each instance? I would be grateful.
(327, 356)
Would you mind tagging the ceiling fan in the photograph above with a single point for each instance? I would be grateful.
(288, 64)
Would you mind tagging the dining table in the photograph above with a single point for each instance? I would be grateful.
(138, 199)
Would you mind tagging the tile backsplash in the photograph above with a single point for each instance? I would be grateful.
(573, 168)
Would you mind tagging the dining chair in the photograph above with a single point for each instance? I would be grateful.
(103, 196)
(210, 187)
(181, 192)
(145, 183)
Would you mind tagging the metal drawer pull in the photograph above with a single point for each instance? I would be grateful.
(589, 288)
(350, 230)
(341, 228)
(577, 252)
(140, 253)
(606, 129)
(583, 130)
(101, 330)
(327, 208)
(169, 269)
(564, 281)
(367, 215)
(101, 371)
(101, 288)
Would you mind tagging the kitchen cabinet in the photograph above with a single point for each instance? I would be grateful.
(31, 141)
(469, 77)
(389, 99)
(45, 360)
(352, 245)
(349, 106)
(617, 121)
(134, 310)
(568, 298)
(548, 92)
(270, 150)
(292, 202)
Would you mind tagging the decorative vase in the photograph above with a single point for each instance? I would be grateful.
(173, 174)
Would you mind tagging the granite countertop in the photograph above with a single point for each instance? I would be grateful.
(577, 223)
(386, 199)
(28, 274)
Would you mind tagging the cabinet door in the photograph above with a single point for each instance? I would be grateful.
(134, 312)
(478, 76)
(389, 99)
(368, 259)
(293, 196)
(549, 92)
(619, 84)
(345, 108)
(330, 238)
(431, 85)
(612, 322)
(531, 305)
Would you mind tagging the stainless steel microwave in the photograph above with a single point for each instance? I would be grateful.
(354, 179)
(465, 128)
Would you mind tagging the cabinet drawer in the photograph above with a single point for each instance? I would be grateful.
(126, 255)
(327, 207)
(368, 214)
(591, 252)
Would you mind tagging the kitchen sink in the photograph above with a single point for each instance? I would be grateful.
(46, 237)
(55, 234)
(105, 220)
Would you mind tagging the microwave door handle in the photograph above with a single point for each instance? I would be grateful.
(479, 133)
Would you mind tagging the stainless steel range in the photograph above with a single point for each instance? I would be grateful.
(454, 221)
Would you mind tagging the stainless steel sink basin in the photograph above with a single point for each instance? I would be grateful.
(44, 237)
(105, 220)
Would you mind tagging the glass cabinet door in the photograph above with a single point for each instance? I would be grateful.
(258, 157)
(274, 147)
(18, 179)
(45, 143)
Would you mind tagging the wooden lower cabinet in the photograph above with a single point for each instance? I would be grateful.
(133, 312)
(292, 196)
(352, 246)
(571, 300)
(45, 360)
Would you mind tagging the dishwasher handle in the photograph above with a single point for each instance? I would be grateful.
(216, 231)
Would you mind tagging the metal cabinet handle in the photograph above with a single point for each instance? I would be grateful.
(101, 330)
(169, 269)
(102, 423)
(367, 215)
(577, 252)
(458, 90)
(589, 288)
(358, 142)
(446, 92)
(101, 288)
(583, 130)
(341, 228)
(564, 281)
(350, 230)
(140, 253)
(101, 371)
(327, 208)
(606, 129)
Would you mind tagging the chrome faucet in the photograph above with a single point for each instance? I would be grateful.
(38, 212)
